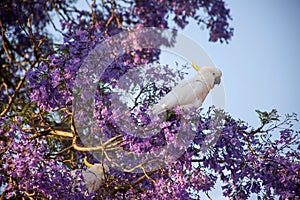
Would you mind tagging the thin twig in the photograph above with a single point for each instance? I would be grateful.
(15, 93)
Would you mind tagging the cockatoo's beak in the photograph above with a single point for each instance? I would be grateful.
(195, 66)
(217, 80)
(89, 165)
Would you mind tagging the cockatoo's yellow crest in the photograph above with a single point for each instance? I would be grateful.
(195, 66)
(89, 165)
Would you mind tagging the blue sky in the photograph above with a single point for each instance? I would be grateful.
(260, 65)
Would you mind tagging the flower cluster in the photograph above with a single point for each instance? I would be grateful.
(52, 82)
(28, 170)
(160, 13)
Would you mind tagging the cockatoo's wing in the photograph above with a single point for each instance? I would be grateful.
(186, 94)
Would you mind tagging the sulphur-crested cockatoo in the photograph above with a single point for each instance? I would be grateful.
(190, 93)
(94, 176)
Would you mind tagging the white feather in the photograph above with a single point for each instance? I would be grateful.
(190, 93)
(93, 177)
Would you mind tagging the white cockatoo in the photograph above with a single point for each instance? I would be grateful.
(94, 176)
(190, 93)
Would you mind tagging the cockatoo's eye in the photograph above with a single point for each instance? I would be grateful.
(214, 73)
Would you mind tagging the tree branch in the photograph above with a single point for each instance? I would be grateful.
(15, 93)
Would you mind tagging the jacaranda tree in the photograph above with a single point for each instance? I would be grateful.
(42, 147)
